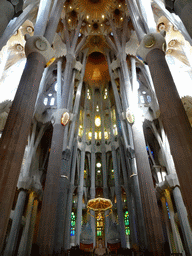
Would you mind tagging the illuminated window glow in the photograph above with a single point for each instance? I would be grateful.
(106, 135)
(45, 101)
(89, 135)
(126, 219)
(73, 224)
(97, 121)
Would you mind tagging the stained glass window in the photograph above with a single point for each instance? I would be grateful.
(99, 224)
(168, 210)
(72, 224)
(126, 218)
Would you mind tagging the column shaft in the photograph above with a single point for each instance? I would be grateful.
(50, 196)
(42, 17)
(59, 67)
(176, 235)
(6, 14)
(70, 200)
(54, 19)
(15, 134)
(183, 9)
(133, 234)
(168, 228)
(23, 243)
(81, 178)
(16, 225)
(184, 222)
(80, 198)
(175, 122)
(32, 227)
(148, 196)
(119, 201)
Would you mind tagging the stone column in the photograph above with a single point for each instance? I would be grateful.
(65, 167)
(59, 74)
(173, 115)
(183, 9)
(167, 223)
(23, 243)
(48, 216)
(13, 141)
(104, 164)
(133, 231)
(136, 19)
(70, 200)
(180, 206)
(81, 178)
(117, 187)
(184, 222)
(42, 17)
(153, 224)
(80, 198)
(63, 185)
(176, 235)
(131, 164)
(16, 224)
(15, 134)
(147, 14)
(54, 19)
(6, 14)
(92, 190)
(32, 226)
(148, 196)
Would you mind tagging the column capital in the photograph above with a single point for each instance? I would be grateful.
(25, 183)
(40, 45)
(150, 42)
(56, 117)
(171, 181)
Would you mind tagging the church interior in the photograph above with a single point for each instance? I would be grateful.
(95, 127)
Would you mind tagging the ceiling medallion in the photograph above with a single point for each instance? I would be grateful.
(65, 118)
(130, 116)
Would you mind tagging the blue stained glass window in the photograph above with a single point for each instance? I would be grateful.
(168, 210)
(73, 224)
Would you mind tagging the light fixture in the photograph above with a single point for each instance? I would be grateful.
(103, 16)
(87, 16)
(97, 121)
(98, 165)
(99, 171)
(65, 118)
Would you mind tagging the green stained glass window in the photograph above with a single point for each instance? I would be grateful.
(73, 224)
(126, 219)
